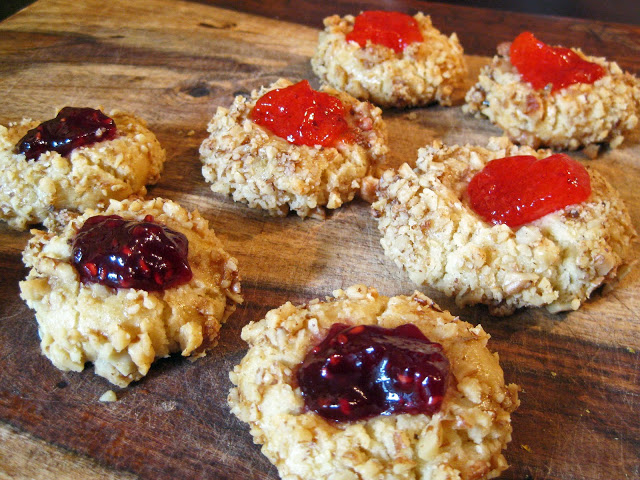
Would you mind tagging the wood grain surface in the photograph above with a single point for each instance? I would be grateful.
(173, 63)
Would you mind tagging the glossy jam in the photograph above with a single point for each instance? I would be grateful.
(541, 65)
(363, 371)
(391, 29)
(303, 116)
(518, 190)
(122, 253)
(72, 128)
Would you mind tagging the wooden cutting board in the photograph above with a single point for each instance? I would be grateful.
(173, 63)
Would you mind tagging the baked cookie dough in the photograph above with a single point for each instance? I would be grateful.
(463, 440)
(123, 330)
(423, 73)
(30, 190)
(256, 167)
(557, 261)
(580, 115)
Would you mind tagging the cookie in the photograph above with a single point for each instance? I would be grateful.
(424, 72)
(247, 161)
(464, 439)
(123, 330)
(579, 115)
(557, 261)
(86, 177)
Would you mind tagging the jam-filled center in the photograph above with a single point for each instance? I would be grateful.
(303, 116)
(542, 65)
(520, 189)
(72, 128)
(394, 30)
(122, 253)
(363, 371)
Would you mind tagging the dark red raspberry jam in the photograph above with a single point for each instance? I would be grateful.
(122, 253)
(72, 128)
(303, 116)
(363, 371)
(391, 29)
(541, 65)
(521, 189)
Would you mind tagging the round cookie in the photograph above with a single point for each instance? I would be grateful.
(463, 440)
(256, 167)
(423, 73)
(580, 115)
(123, 330)
(85, 178)
(557, 261)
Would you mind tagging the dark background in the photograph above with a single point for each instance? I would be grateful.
(9, 7)
(622, 11)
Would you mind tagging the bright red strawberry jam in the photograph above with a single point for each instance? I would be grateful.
(541, 65)
(363, 371)
(122, 253)
(518, 190)
(303, 116)
(391, 29)
(72, 128)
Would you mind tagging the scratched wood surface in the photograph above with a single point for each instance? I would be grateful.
(173, 63)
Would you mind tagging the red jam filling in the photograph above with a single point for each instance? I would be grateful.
(541, 65)
(363, 371)
(72, 128)
(518, 190)
(303, 116)
(122, 253)
(391, 29)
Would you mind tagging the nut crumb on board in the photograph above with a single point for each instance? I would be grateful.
(109, 396)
